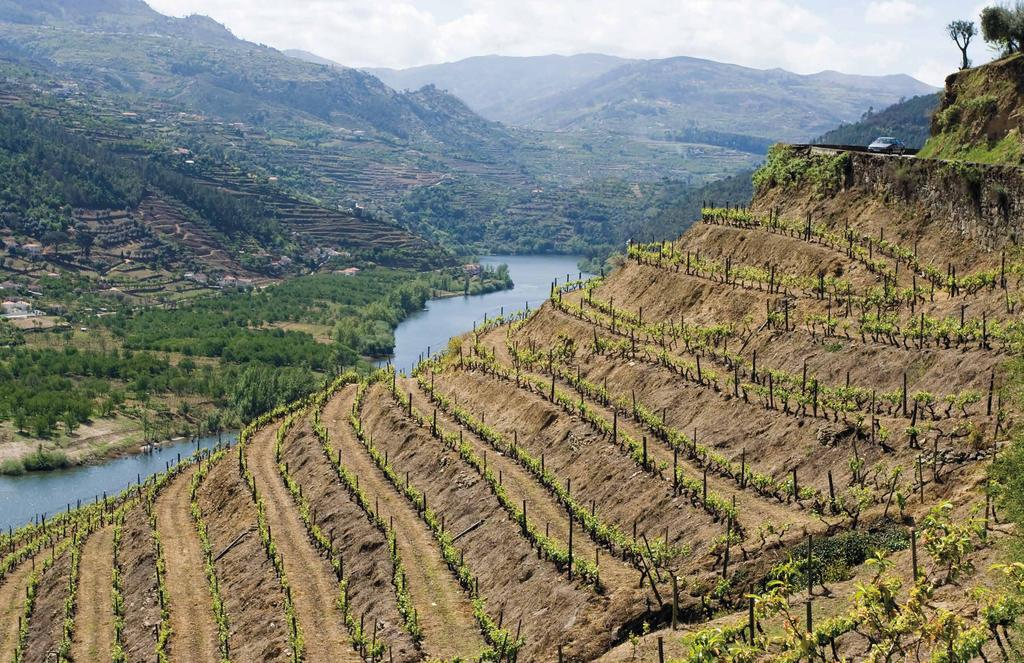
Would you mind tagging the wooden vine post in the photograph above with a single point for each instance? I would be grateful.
(675, 602)
(728, 541)
(570, 545)
(913, 551)
(675, 471)
(751, 621)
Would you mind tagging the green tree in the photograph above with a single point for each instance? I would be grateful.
(1003, 27)
(70, 422)
(85, 240)
(962, 32)
(215, 423)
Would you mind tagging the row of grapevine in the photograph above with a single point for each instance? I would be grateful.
(603, 533)
(698, 453)
(31, 592)
(503, 644)
(164, 629)
(71, 600)
(861, 247)
(351, 483)
(270, 548)
(840, 294)
(549, 548)
(118, 653)
(367, 646)
(714, 504)
(774, 385)
(851, 501)
(82, 522)
(209, 568)
(916, 331)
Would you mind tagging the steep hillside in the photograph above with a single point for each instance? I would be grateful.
(979, 119)
(792, 433)
(909, 120)
(127, 47)
(332, 135)
(654, 95)
(94, 201)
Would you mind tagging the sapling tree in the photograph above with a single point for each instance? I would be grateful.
(962, 32)
(949, 542)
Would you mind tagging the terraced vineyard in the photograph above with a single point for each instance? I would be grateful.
(769, 440)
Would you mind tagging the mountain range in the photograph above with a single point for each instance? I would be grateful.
(571, 154)
(655, 97)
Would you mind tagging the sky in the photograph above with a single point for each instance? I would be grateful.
(804, 36)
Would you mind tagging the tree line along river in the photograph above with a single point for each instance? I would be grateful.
(24, 497)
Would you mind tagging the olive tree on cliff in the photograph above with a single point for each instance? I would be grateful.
(962, 32)
(1003, 27)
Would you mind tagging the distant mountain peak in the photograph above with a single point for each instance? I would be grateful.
(651, 97)
(307, 56)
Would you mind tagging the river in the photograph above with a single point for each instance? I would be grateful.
(23, 497)
(443, 318)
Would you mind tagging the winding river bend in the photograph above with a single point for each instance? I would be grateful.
(24, 497)
(443, 318)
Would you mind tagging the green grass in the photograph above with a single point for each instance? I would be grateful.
(956, 146)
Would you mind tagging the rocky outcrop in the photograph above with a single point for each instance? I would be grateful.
(980, 118)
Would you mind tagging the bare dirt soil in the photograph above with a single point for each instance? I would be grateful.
(137, 557)
(249, 586)
(445, 613)
(193, 627)
(46, 626)
(94, 616)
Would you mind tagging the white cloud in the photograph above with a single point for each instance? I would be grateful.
(398, 33)
(935, 71)
(893, 12)
(799, 35)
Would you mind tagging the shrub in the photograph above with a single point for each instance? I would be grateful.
(949, 118)
(828, 174)
(782, 168)
(786, 169)
(45, 460)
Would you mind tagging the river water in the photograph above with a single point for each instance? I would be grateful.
(24, 497)
(443, 318)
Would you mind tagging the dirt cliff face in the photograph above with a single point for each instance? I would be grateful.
(965, 213)
(980, 119)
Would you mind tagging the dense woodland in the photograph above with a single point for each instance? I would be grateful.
(46, 170)
(232, 352)
(910, 121)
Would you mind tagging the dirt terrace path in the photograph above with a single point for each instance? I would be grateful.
(314, 586)
(94, 616)
(193, 628)
(541, 506)
(12, 603)
(445, 613)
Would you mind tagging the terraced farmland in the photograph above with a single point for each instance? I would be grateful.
(769, 440)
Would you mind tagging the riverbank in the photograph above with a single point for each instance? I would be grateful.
(26, 496)
(445, 317)
(97, 442)
(107, 460)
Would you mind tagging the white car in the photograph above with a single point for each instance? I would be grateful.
(887, 145)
